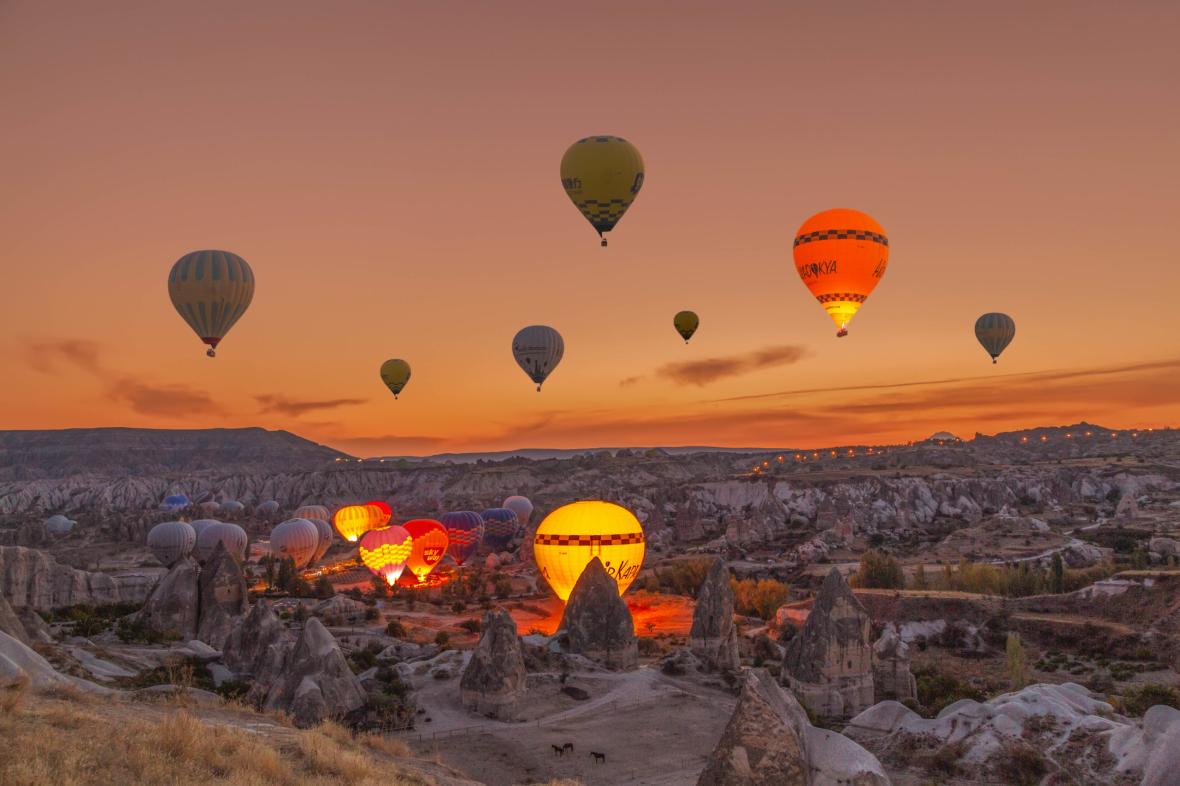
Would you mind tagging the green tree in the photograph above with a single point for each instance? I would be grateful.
(920, 581)
(1017, 673)
(1058, 571)
(878, 570)
(324, 588)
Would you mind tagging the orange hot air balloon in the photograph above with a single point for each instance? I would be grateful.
(430, 545)
(841, 255)
(381, 513)
(385, 552)
(352, 521)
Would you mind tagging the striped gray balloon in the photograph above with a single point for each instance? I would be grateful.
(171, 541)
(995, 331)
(297, 539)
(538, 349)
(231, 536)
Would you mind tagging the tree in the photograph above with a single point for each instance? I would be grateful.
(380, 587)
(324, 588)
(1058, 574)
(878, 570)
(920, 582)
(287, 580)
(1017, 673)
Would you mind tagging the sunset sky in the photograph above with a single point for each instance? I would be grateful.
(390, 171)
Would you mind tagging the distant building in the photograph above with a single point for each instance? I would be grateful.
(941, 438)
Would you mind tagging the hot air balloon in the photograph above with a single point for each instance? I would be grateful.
(209, 506)
(171, 541)
(430, 545)
(352, 521)
(602, 176)
(297, 539)
(59, 526)
(381, 513)
(324, 529)
(521, 507)
(313, 512)
(232, 506)
(538, 350)
(231, 536)
(995, 331)
(686, 323)
(841, 255)
(499, 527)
(211, 290)
(174, 502)
(395, 374)
(385, 551)
(269, 508)
(464, 533)
(572, 535)
(200, 524)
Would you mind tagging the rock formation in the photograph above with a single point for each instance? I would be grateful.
(493, 683)
(316, 683)
(829, 664)
(257, 648)
(20, 664)
(713, 638)
(171, 609)
(768, 742)
(597, 621)
(10, 623)
(223, 597)
(30, 577)
(892, 678)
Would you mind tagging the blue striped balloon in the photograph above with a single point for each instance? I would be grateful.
(500, 525)
(465, 529)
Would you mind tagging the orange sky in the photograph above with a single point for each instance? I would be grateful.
(390, 172)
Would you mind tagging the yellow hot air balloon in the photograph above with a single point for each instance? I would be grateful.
(574, 534)
(686, 323)
(841, 255)
(352, 521)
(395, 374)
(601, 176)
(211, 290)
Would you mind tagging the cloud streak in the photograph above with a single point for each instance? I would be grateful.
(286, 406)
(50, 355)
(709, 370)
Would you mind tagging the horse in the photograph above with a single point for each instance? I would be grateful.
(598, 757)
(557, 750)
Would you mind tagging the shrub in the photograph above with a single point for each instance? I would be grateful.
(937, 690)
(1139, 699)
(442, 638)
(395, 629)
(324, 588)
(758, 597)
(471, 626)
(684, 577)
(648, 647)
(1021, 765)
(878, 570)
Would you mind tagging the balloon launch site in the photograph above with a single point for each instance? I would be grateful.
(619, 394)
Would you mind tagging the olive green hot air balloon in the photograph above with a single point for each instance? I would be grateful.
(395, 374)
(211, 290)
(686, 323)
(995, 331)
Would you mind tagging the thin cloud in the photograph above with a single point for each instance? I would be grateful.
(709, 370)
(286, 406)
(50, 355)
(170, 400)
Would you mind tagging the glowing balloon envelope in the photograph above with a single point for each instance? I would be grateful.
(602, 176)
(296, 539)
(464, 533)
(430, 545)
(211, 290)
(381, 513)
(395, 374)
(995, 332)
(538, 349)
(500, 525)
(385, 551)
(572, 535)
(686, 323)
(841, 255)
(521, 507)
(352, 521)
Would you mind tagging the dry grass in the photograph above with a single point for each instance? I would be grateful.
(69, 743)
(12, 694)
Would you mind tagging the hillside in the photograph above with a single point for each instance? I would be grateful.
(115, 452)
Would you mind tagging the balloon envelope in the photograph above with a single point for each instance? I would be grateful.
(841, 255)
(170, 541)
(352, 521)
(430, 545)
(381, 513)
(385, 551)
(521, 507)
(58, 525)
(312, 512)
(574, 534)
(395, 374)
(538, 349)
(296, 539)
(231, 536)
(464, 534)
(174, 502)
(325, 540)
(500, 525)
(995, 332)
(200, 524)
(602, 176)
(211, 290)
(686, 323)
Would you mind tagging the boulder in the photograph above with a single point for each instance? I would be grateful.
(19, 663)
(713, 638)
(340, 610)
(1127, 509)
(223, 597)
(316, 683)
(829, 663)
(597, 621)
(1164, 547)
(493, 683)
(892, 678)
(30, 577)
(172, 607)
